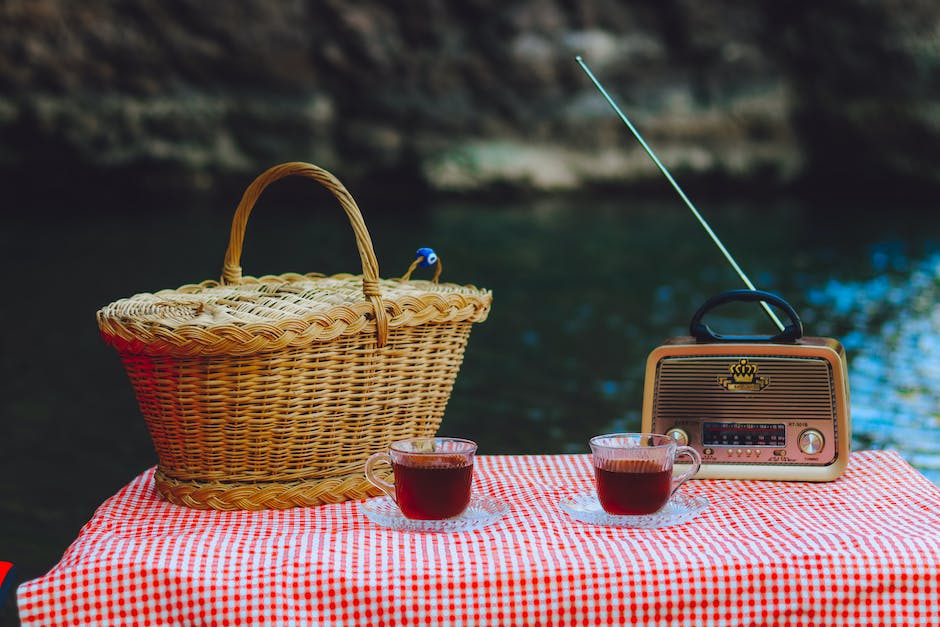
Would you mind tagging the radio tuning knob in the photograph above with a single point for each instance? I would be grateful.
(679, 435)
(811, 441)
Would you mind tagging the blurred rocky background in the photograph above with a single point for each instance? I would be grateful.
(119, 100)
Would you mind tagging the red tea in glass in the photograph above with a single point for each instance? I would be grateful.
(439, 489)
(433, 476)
(631, 489)
(634, 471)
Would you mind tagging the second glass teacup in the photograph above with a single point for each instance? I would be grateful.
(634, 471)
(433, 476)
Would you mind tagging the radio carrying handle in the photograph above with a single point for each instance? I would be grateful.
(703, 333)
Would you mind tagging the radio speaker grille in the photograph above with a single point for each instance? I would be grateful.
(797, 388)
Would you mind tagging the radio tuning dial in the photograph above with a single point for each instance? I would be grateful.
(811, 442)
(679, 435)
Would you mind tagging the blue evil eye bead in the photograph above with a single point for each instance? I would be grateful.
(430, 257)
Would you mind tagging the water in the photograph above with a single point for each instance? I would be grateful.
(583, 289)
(894, 341)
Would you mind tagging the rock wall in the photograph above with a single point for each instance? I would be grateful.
(178, 96)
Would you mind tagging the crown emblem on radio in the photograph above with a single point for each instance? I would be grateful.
(743, 378)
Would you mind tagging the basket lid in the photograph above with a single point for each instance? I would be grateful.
(241, 315)
(274, 312)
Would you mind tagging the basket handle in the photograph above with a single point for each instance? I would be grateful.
(232, 271)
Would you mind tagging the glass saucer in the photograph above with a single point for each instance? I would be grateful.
(679, 509)
(481, 512)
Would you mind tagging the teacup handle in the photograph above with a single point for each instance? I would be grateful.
(688, 451)
(371, 463)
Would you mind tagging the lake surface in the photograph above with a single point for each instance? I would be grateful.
(584, 288)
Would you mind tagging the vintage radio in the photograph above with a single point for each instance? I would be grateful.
(753, 407)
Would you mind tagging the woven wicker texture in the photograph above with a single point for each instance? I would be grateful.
(270, 392)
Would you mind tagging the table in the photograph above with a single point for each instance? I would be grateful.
(862, 550)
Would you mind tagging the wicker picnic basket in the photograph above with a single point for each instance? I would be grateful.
(271, 392)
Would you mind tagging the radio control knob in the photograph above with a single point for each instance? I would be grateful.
(811, 441)
(679, 435)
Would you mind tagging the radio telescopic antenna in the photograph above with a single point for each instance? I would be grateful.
(672, 181)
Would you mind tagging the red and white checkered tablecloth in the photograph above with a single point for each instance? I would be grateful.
(864, 550)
